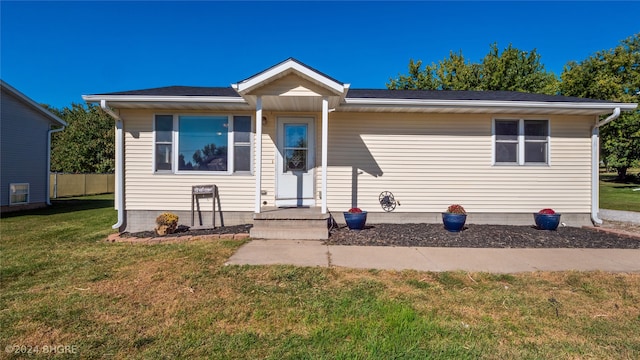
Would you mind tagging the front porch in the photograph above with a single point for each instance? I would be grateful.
(294, 92)
(303, 223)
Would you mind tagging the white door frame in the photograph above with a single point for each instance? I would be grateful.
(295, 188)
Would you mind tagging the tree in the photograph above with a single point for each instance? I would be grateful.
(416, 79)
(512, 70)
(516, 70)
(454, 73)
(612, 74)
(87, 143)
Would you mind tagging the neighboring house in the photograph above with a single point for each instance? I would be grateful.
(25, 143)
(319, 144)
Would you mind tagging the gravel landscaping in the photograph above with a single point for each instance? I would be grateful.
(480, 236)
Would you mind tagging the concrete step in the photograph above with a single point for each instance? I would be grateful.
(311, 223)
(290, 223)
(289, 232)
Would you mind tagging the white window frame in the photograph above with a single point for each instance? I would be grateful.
(241, 143)
(230, 146)
(521, 143)
(13, 193)
(155, 142)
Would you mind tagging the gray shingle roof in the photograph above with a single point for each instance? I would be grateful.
(180, 91)
(374, 94)
(462, 95)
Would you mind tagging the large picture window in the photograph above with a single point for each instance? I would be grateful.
(521, 141)
(203, 143)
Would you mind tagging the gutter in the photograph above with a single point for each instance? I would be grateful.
(162, 98)
(428, 103)
(119, 165)
(595, 165)
(51, 131)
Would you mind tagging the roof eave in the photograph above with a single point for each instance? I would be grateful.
(156, 98)
(595, 108)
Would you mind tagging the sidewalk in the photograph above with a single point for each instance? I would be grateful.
(314, 253)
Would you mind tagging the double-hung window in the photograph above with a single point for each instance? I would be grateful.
(242, 143)
(521, 142)
(203, 144)
(164, 143)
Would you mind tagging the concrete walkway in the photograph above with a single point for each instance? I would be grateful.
(617, 215)
(314, 253)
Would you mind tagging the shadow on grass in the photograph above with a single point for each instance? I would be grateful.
(61, 206)
(630, 181)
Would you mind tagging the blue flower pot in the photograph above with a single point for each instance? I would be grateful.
(355, 221)
(546, 221)
(454, 222)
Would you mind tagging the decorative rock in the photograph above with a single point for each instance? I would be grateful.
(116, 237)
(164, 229)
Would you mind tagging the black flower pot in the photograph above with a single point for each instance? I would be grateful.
(454, 222)
(355, 221)
(546, 221)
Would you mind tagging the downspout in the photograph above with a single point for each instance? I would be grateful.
(595, 165)
(119, 165)
(51, 131)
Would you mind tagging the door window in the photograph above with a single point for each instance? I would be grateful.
(295, 147)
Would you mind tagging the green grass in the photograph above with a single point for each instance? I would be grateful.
(63, 285)
(619, 195)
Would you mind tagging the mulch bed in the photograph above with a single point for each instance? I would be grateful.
(480, 236)
(184, 230)
(434, 235)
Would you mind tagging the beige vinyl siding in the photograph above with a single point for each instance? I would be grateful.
(148, 191)
(289, 86)
(268, 161)
(429, 161)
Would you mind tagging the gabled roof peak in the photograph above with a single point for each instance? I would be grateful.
(296, 61)
(284, 68)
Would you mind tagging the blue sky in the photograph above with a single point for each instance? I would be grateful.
(54, 52)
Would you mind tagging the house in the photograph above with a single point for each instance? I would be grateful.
(25, 143)
(295, 145)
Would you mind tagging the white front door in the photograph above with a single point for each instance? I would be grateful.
(295, 162)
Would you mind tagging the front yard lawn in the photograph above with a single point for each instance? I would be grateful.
(63, 285)
(620, 195)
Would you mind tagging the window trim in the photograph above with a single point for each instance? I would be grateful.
(521, 143)
(11, 194)
(241, 143)
(155, 143)
(175, 146)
